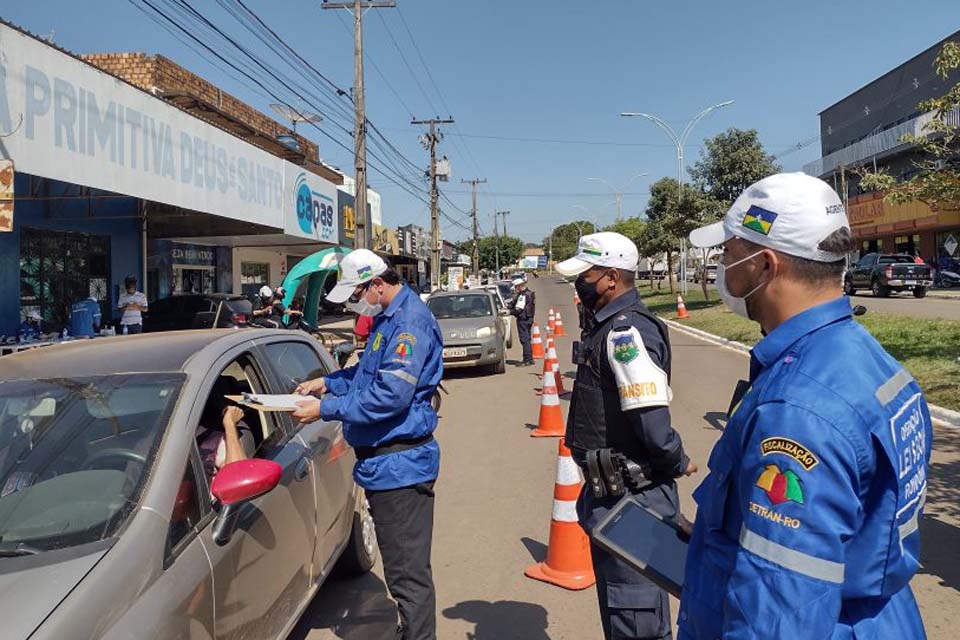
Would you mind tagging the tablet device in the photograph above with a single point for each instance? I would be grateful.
(652, 544)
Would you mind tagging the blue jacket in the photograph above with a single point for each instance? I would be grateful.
(807, 523)
(84, 316)
(387, 395)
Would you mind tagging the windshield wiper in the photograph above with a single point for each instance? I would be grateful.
(19, 550)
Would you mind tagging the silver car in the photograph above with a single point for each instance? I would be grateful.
(108, 524)
(474, 333)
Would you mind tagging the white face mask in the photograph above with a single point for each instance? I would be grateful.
(364, 308)
(736, 304)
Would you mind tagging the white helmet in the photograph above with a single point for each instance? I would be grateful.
(266, 292)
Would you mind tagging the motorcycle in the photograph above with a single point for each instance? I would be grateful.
(946, 279)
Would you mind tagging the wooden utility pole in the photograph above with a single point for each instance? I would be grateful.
(363, 236)
(430, 141)
(504, 214)
(476, 247)
(495, 214)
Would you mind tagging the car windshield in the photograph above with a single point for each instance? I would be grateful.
(75, 454)
(896, 259)
(465, 306)
(506, 290)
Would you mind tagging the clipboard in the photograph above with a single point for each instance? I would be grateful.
(652, 544)
(250, 400)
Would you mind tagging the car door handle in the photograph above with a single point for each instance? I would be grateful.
(302, 471)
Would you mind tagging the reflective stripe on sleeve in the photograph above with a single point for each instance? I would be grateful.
(403, 375)
(788, 558)
(889, 389)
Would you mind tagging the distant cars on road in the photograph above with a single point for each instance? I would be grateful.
(885, 273)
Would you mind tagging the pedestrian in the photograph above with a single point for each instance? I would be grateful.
(31, 328)
(132, 304)
(807, 525)
(621, 406)
(524, 307)
(384, 405)
(85, 318)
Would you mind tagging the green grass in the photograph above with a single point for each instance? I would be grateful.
(929, 349)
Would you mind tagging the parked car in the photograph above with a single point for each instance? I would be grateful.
(107, 525)
(886, 272)
(222, 310)
(473, 329)
(501, 305)
(711, 273)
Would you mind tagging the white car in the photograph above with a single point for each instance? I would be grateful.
(501, 304)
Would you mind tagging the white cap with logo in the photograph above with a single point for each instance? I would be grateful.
(787, 212)
(604, 249)
(356, 268)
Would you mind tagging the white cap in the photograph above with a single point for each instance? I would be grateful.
(604, 249)
(34, 315)
(266, 292)
(787, 212)
(516, 282)
(356, 268)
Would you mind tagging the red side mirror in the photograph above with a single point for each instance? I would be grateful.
(245, 480)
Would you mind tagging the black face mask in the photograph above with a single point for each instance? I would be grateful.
(587, 291)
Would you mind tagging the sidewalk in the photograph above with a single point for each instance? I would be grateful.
(944, 294)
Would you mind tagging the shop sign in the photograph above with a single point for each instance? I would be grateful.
(6, 196)
(192, 255)
(69, 121)
(310, 205)
(865, 212)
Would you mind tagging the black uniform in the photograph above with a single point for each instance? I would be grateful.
(630, 605)
(525, 318)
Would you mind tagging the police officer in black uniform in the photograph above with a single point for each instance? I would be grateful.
(524, 307)
(619, 426)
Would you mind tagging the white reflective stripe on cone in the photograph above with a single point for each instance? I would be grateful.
(565, 511)
(550, 397)
(568, 472)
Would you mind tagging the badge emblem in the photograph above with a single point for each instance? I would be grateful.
(625, 350)
(780, 486)
(759, 219)
(791, 449)
(377, 340)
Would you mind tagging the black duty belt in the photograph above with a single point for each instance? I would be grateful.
(394, 446)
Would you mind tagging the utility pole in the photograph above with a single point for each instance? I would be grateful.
(362, 240)
(496, 237)
(504, 214)
(476, 247)
(429, 142)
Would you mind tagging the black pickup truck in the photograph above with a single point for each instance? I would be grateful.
(886, 272)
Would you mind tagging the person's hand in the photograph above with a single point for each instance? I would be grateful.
(315, 387)
(307, 410)
(691, 469)
(232, 415)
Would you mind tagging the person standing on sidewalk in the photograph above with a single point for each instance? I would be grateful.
(808, 523)
(384, 405)
(524, 308)
(132, 303)
(621, 407)
(85, 318)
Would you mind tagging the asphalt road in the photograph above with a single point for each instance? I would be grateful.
(905, 304)
(494, 498)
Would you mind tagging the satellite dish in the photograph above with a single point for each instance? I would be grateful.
(295, 115)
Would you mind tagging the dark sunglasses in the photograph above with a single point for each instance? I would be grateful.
(359, 292)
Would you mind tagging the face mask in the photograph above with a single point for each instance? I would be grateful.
(587, 291)
(364, 308)
(736, 304)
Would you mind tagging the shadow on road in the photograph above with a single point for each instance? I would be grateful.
(501, 620)
(939, 537)
(352, 609)
(716, 419)
(536, 549)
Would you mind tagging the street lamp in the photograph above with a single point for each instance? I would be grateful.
(590, 216)
(618, 193)
(679, 140)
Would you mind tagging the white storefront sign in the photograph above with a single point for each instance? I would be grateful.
(309, 205)
(65, 120)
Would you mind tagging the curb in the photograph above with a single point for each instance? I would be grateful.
(941, 416)
(942, 296)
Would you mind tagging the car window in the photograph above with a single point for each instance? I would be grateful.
(75, 454)
(197, 305)
(164, 306)
(896, 259)
(868, 260)
(186, 510)
(460, 306)
(294, 362)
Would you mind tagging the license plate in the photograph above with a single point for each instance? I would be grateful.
(909, 282)
(455, 352)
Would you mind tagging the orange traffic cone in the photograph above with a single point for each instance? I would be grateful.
(551, 417)
(536, 344)
(555, 367)
(559, 326)
(568, 562)
(551, 323)
(681, 309)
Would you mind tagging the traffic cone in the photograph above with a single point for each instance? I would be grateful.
(568, 562)
(536, 344)
(559, 326)
(551, 417)
(555, 367)
(551, 323)
(681, 309)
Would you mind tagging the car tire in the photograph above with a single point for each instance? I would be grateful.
(920, 292)
(848, 287)
(361, 552)
(880, 291)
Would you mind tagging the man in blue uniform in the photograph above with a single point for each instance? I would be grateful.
(384, 404)
(807, 525)
(620, 410)
(85, 317)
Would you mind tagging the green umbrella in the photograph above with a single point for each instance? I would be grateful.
(314, 268)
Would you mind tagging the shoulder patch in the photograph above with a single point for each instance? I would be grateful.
(640, 382)
(625, 348)
(791, 449)
(377, 340)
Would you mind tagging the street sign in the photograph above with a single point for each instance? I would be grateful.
(6, 196)
(950, 244)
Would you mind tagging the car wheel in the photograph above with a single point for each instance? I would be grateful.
(361, 552)
(880, 291)
(920, 292)
(848, 287)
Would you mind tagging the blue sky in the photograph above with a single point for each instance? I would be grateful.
(559, 70)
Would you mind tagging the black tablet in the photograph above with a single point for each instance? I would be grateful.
(655, 546)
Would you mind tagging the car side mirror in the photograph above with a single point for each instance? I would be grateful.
(237, 484)
(504, 312)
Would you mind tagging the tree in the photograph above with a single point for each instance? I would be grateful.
(511, 250)
(730, 162)
(937, 181)
(629, 227)
(566, 237)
